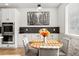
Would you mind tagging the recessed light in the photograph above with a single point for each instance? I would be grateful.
(6, 4)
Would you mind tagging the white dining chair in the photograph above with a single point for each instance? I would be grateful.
(28, 50)
(25, 44)
(64, 48)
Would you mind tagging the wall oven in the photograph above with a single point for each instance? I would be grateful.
(8, 39)
(8, 33)
(7, 28)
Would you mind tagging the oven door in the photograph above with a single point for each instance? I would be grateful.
(7, 28)
(7, 39)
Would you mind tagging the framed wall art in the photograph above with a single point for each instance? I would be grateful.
(38, 18)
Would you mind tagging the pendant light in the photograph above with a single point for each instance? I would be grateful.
(39, 6)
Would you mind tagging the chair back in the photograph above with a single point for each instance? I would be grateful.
(25, 41)
(25, 44)
(65, 42)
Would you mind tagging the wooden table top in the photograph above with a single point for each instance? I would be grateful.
(48, 44)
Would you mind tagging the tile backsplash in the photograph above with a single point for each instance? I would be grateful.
(36, 29)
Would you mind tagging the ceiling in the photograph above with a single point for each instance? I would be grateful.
(28, 5)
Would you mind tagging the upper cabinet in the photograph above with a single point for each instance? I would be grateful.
(8, 15)
(0, 17)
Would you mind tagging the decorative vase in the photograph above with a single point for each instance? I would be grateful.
(44, 32)
(44, 39)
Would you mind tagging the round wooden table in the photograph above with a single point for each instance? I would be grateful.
(49, 44)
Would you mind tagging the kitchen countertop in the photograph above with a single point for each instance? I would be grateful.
(1, 36)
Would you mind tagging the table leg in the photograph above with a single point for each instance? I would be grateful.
(58, 52)
(38, 53)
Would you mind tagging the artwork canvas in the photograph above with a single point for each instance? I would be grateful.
(38, 18)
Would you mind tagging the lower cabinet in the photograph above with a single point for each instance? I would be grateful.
(7, 46)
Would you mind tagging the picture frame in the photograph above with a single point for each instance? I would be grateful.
(38, 18)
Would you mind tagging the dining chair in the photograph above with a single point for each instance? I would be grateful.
(48, 52)
(64, 48)
(28, 50)
(25, 44)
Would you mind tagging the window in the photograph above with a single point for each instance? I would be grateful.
(72, 19)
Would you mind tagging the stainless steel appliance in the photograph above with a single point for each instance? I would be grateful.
(7, 28)
(7, 39)
(8, 33)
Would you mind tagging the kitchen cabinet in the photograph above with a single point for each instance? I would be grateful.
(8, 15)
(0, 17)
(7, 46)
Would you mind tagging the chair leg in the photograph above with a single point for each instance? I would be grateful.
(58, 52)
(38, 52)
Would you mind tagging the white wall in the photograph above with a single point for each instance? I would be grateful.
(61, 17)
(23, 16)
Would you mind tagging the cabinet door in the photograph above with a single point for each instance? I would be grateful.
(8, 46)
(0, 17)
(8, 15)
(5, 15)
(11, 15)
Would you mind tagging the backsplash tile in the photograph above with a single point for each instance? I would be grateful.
(36, 29)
